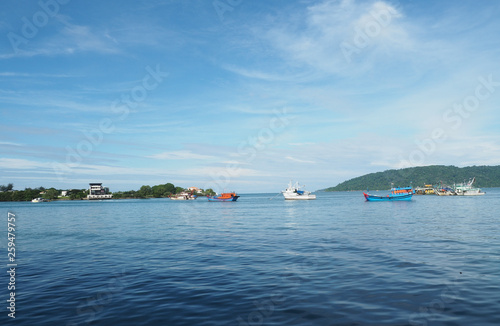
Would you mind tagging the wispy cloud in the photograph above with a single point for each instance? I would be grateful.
(315, 40)
(31, 75)
(10, 143)
(22, 164)
(70, 38)
(180, 155)
(299, 160)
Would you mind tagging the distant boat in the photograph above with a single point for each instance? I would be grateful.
(466, 189)
(398, 193)
(293, 192)
(39, 200)
(225, 196)
(444, 191)
(183, 196)
(426, 190)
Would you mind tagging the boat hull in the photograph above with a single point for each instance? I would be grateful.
(39, 200)
(293, 192)
(471, 193)
(295, 196)
(234, 198)
(369, 197)
(444, 193)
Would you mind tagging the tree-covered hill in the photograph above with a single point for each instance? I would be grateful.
(486, 176)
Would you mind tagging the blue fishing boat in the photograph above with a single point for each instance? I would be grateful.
(398, 193)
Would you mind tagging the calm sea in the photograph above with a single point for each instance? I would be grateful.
(337, 260)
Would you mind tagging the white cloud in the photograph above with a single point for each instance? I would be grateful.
(181, 155)
(299, 160)
(22, 164)
(316, 41)
(10, 143)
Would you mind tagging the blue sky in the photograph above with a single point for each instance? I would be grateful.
(244, 95)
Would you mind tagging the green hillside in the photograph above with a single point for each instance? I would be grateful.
(486, 176)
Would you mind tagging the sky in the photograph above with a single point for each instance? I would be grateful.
(242, 95)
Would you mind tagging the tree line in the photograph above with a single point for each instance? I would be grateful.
(158, 191)
(7, 193)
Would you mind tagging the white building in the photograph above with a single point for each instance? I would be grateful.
(97, 191)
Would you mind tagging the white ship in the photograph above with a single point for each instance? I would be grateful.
(183, 196)
(465, 189)
(293, 192)
(39, 200)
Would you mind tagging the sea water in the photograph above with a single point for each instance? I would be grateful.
(336, 260)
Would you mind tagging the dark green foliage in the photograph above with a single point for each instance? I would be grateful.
(486, 176)
(209, 192)
(29, 194)
(158, 191)
(8, 187)
(51, 194)
(75, 194)
(144, 192)
(9, 194)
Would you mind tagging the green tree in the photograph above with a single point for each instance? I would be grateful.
(209, 192)
(117, 195)
(77, 194)
(145, 192)
(158, 191)
(169, 188)
(51, 193)
(5, 196)
(29, 194)
(17, 196)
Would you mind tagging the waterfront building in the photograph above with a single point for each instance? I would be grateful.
(97, 191)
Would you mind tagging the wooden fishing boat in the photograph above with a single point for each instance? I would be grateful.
(398, 193)
(225, 196)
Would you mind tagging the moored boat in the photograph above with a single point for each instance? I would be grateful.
(397, 193)
(425, 190)
(39, 200)
(444, 191)
(225, 196)
(466, 189)
(293, 192)
(183, 196)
